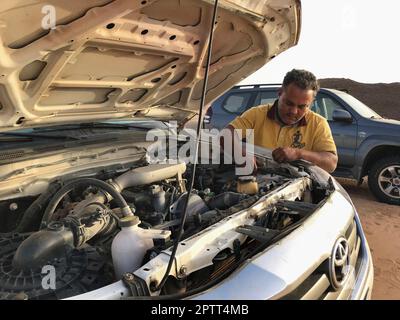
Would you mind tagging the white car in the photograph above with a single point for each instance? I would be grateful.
(86, 214)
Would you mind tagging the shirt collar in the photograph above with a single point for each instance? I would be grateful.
(273, 115)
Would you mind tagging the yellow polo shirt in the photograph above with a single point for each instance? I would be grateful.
(311, 133)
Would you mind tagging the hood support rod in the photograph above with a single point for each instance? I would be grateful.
(203, 95)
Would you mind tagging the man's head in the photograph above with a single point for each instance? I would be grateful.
(296, 95)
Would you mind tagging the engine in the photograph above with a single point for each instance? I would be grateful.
(88, 232)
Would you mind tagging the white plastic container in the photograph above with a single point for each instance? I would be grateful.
(131, 243)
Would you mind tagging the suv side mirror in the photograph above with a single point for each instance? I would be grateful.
(342, 116)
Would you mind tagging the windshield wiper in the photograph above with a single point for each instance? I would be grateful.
(96, 125)
(48, 132)
(99, 125)
(35, 135)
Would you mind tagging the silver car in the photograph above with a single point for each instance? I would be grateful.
(88, 210)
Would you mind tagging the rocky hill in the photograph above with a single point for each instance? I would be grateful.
(384, 98)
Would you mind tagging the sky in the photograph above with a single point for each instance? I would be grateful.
(354, 39)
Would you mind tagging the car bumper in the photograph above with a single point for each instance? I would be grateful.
(362, 289)
(295, 268)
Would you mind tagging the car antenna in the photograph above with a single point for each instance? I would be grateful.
(203, 94)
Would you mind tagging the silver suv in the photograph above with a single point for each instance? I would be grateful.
(88, 210)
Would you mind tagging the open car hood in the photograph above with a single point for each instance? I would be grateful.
(77, 61)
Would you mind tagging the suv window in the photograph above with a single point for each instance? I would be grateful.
(324, 105)
(265, 97)
(237, 102)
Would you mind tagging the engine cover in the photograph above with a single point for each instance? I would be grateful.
(79, 271)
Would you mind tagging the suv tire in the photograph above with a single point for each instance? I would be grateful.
(384, 179)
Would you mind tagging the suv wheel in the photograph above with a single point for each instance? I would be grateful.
(384, 179)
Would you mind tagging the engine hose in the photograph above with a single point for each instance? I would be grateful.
(167, 212)
(80, 208)
(125, 209)
(225, 200)
(31, 216)
(46, 244)
(83, 235)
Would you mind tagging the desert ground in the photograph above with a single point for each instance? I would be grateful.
(381, 224)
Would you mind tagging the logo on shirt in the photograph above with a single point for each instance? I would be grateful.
(297, 137)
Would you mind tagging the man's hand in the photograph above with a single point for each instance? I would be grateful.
(285, 154)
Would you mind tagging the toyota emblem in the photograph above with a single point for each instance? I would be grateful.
(339, 264)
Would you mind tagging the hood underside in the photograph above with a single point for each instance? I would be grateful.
(74, 61)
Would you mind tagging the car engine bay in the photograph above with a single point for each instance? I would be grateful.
(100, 229)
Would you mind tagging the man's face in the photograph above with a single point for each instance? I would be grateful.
(294, 103)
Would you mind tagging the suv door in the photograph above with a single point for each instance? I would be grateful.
(344, 133)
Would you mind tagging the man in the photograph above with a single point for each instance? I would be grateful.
(289, 127)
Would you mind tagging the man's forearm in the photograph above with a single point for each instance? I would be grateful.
(325, 160)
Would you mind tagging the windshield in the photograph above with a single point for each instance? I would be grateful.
(361, 108)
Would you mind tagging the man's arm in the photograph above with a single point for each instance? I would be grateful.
(325, 160)
(243, 122)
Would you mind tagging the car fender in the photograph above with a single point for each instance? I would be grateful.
(367, 146)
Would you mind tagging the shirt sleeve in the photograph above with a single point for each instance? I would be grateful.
(247, 120)
(323, 140)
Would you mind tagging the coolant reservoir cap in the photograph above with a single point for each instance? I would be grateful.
(247, 185)
(129, 221)
(247, 179)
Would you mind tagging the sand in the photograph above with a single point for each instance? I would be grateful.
(381, 224)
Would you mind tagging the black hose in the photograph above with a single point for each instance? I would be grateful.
(183, 217)
(167, 212)
(31, 215)
(225, 200)
(88, 181)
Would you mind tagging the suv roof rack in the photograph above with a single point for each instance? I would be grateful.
(254, 86)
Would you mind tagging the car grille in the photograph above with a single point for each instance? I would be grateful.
(317, 285)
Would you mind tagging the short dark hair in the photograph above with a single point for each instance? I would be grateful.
(302, 78)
